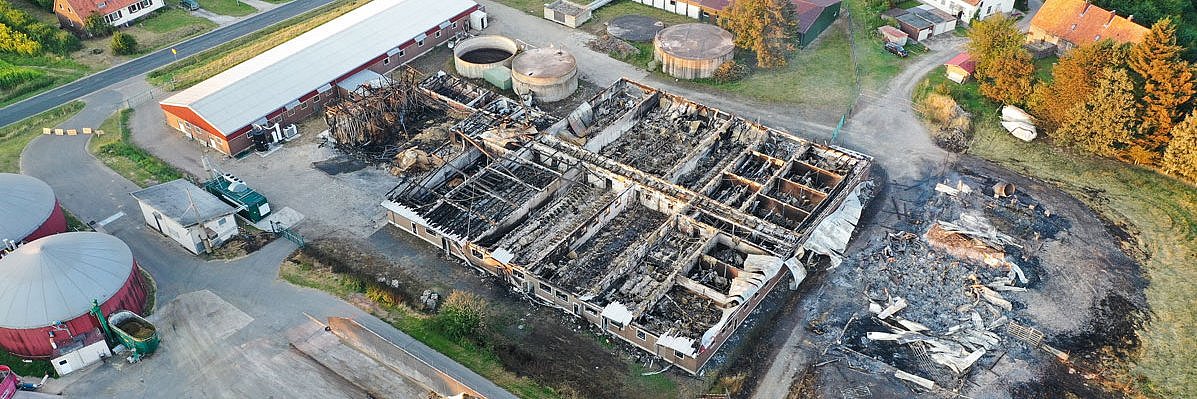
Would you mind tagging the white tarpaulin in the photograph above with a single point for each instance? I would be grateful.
(831, 236)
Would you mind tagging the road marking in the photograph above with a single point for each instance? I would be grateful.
(112, 218)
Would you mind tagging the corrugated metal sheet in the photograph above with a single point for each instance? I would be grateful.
(26, 203)
(236, 97)
(55, 278)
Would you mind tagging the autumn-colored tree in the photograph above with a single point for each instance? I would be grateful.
(1074, 78)
(1007, 78)
(1004, 68)
(767, 27)
(1105, 122)
(1167, 81)
(1180, 158)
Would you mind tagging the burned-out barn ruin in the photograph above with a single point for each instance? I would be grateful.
(660, 220)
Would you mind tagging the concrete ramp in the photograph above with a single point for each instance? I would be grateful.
(374, 378)
(397, 359)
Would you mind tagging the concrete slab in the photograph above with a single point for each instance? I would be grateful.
(376, 379)
(284, 218)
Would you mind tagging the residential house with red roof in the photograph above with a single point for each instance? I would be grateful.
(814, 16)
(966, 10)
(73, 13)
(1073, 23)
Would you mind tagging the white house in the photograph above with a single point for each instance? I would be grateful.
(73, 13)
(966, 10)
(194, 218)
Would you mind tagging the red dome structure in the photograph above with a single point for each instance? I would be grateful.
(47, 287)
(28, 209)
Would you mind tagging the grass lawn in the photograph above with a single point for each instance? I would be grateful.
(194, 69)
(117, 152)
(227, 7)
(34, 368)
(1161, 212)
(167, 26)
(1043, 68)
(814, 76)
(597, 22)
(14, 137)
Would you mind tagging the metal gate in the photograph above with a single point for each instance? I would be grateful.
(290, 235)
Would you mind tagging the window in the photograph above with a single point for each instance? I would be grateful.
(476, 253)
(519, 274)
(591, 311)
(400, 53)
(563, 296)
(672, 3)
(641, 335)
(438, 33)
(110, 18)
(221, 222)
(454, 25)
(546, 287)
(386, 61)
(420, 42)
(102, 5)
(413, 227)
(678, 355)
(140, 6)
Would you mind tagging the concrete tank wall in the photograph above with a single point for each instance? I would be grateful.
(474, 70)
(550, 74)
(692, 51)
(682, 68)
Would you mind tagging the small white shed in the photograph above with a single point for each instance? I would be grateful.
(194, 218)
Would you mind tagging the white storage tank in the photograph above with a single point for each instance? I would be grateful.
(474, 56)
(693, 51)
(550, 74)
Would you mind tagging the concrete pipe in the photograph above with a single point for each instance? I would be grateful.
(1003, 189)
(474, 56)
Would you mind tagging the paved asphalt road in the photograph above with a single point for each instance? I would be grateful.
(92, 191)
(107, 77)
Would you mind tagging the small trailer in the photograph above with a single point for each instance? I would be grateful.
(134, 332)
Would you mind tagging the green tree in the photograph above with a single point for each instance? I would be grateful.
(123, 44)
(1004, 68)
(767, 27)
(1105, 122)
(96, 26)
(1167, 82)
(1074, 78)
(1180, 158)
(463, 315)
(16, 42)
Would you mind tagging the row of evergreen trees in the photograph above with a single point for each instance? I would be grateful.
(1133, 102)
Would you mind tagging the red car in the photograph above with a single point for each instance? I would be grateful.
(8, 383)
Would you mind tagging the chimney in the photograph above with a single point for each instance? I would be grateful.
(1130, 17)
(1086, 9)
(1113, 14)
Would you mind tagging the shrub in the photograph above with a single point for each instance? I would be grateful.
(382, 295)
(12, 76)
(96, 26)
(123, 43)
(730, 71)
(463, 315)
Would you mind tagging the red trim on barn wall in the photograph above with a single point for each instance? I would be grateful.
(190, 116)
(360, 68)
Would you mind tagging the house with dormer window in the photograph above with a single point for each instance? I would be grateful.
(73, 13)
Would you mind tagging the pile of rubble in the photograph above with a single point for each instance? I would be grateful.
(942, 301)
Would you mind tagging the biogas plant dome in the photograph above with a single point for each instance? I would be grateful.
(47, 287)
(28, 209)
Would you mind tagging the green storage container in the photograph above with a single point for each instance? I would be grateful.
(251, 204)
(134, 332)
(499, 76)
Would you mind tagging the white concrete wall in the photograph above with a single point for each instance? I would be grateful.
(127, 17)
(81, 358)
